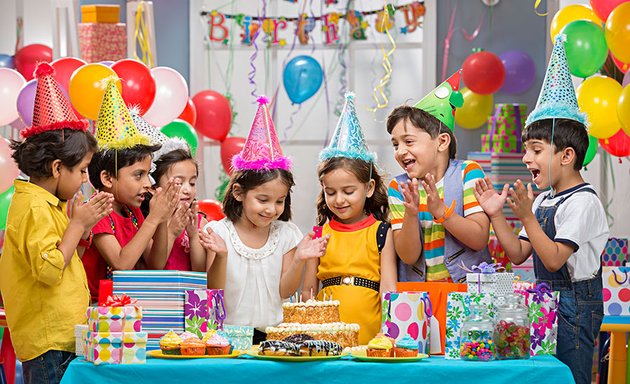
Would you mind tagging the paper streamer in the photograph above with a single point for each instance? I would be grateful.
(447, 41)
(536, 5)
(142, 36)
(378, 93)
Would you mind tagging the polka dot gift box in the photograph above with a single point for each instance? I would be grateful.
(616, 252)
(407, 313)
(104, 347)
(616, 291)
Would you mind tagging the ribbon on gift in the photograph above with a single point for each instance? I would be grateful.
(484, 268)
(219, 307)
(540, 291)
(119, 301)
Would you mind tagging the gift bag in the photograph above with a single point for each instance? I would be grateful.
(457, 309)
(543, 306)
(616, 252)
(616, 282)
(407, 313)
(204, 309)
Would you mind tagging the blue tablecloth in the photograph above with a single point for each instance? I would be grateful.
(537, 370)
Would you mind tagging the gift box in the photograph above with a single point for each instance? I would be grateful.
(80, 332)
(457, 309)
(407, 313)
(616, 252)
(616, 282)
(100, 13)
(134, 348)
(104, 347)
(115, 319)
(542, 306)
(497, 283)
(102, 41)
(204, 309)
(508, 120)
(500, 144)
(239, 336)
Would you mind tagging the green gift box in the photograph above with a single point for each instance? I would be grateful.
(500, 144)
(508, 120)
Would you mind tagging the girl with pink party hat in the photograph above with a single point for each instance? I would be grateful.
(265, 253)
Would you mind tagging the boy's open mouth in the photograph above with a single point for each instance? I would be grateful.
(535, 174)
(408, 163)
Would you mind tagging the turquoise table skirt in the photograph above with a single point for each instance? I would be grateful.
(537, 370)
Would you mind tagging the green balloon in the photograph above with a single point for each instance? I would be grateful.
(5, 201)
(585, 46)
(183, 130)
(591, 151)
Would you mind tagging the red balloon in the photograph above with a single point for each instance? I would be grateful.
(623, 67)
(603, 8)
(212, 209)
(64, 67)
(138, 84)
(189, 113)
(483, 72)
(618, 145)
(214, 115)
(28, 56)
(230, 147)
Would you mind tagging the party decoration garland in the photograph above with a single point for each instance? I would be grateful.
(378, 92)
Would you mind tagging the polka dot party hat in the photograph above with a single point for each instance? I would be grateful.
(156, 137)
(52, 110)
(261, 151)
(348, 140)
(557, 96)
(115, 128)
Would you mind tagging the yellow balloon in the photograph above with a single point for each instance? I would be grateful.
(571, 13)
(597, 96)
(475, 110)
(618, 32)
(87, 88)
(623, 109)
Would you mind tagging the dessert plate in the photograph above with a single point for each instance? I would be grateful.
(158, 354)
(362, 356)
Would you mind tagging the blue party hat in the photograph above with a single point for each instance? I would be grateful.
(557, 97)
(348, 140)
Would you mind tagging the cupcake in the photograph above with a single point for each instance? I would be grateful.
(208, 335)
(170, 344)
(188, 335)
(380, 346)
(406, 347)
(193, 347)
(217, 345)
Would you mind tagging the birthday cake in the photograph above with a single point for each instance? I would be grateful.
(311, 312)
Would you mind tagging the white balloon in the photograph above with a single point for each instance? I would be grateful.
(171, 96)
(11, 81)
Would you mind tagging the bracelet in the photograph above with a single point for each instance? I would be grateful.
(448, 213)
(87, 242)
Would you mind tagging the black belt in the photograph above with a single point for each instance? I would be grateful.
(352, 280)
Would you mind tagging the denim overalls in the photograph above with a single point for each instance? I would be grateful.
(581, 305)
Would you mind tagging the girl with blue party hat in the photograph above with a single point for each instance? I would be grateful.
(360, 260)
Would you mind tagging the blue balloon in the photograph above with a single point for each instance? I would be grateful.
(6, 61)
(302, 78)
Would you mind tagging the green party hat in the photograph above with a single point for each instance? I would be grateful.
(442, 101)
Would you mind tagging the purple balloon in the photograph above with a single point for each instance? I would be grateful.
(626, 79)
(26, 101)
(520, 71)
(107, 63)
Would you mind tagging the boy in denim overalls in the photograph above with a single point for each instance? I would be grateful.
(565, 229)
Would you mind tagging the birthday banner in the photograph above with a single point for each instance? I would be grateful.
(272, 27)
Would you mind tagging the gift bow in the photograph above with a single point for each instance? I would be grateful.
(483, 268)
(119, 301)
(540, 291)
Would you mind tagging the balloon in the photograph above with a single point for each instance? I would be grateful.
(597, 97)
(618, 32)
(623, 109)
(11, 81)
(214, 115)
(6, 61)
(138, 84)
(571, 13)
(520, 71)
(586, 47)
(189, 114)
(475, 110)
(87, 89)
(212, 209)
(603, 7)
(302, 77)
(591, 151)
(626, 79)
(623, 67)
(10, 170)
(483, 72)
(64, 67)
(26, 102)
(171, 96)
(5, 202)
(617, 145)
(230, 147)
(27, 57)
(183, 130)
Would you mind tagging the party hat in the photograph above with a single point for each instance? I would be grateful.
(156, 137)
(557, 96)
(261, 151)
(348, 140)
(442, 101)
(52, 111)
(115, 128)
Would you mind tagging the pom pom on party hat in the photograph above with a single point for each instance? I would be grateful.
(443, 100)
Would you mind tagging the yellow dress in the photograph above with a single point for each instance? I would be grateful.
(352, 251)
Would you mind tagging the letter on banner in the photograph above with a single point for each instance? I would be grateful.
(215, 23)
(250, 29)
(357, 25)
(330, 27)
(305, 25)
(271, 27)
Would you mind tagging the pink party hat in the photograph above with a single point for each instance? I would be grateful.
(262, 150)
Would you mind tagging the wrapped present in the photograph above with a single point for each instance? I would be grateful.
(120, 314)
(508, 120)
(204, 309)
(104, 347)
(458, 306)
(240, 336)
(486, 278)
(500, 144)
(100, 13)
(101, 41)
(80, 332)
(407, 313)
(543, 306)
(134, 348)
(616, 252)
(616, 281)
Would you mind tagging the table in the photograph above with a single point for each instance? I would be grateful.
(245, 369)
(619, 363)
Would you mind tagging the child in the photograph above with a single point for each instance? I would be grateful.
(565, 229)
(41, 277)
(265, 253)
(451, 234)
(122, 168)
(352, 207)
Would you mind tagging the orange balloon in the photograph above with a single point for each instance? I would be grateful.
(87, 88)
(618, 32)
